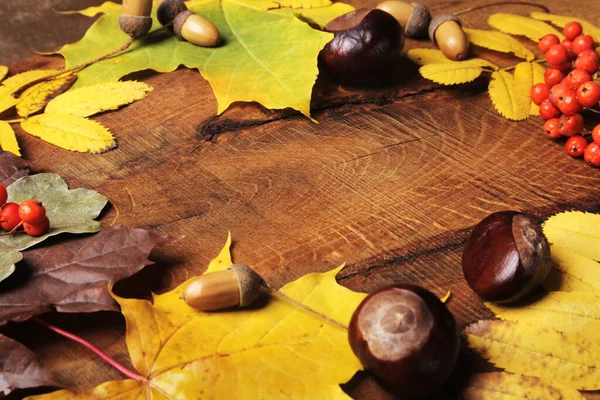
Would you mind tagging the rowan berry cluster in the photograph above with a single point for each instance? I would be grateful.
(569, 88)
(30, 214)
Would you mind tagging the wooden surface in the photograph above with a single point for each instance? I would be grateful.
(390, 181)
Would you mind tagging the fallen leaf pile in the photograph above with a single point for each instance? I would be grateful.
(509, 91)
(553, 337)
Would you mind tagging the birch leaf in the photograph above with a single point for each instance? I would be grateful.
(507, 98)
(455, 72)
(34, 99)
(542, 352)
(503, 386)
(499, 41)
(572, 272)
(576, 231)
(538, 77)
(3, 71)
(427, 56)
(15, 82)
(71, 133)
(562, 20)
(523, 26)
(8, 139)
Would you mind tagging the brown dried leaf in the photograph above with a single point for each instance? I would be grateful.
(12, 168)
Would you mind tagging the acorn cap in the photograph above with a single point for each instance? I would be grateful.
(418, 22)
(437, 21)
(134, 26)
(179, 21)
(168, 10)
(249, 283)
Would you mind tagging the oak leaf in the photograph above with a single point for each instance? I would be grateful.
(13, 83)
(576, 231)
(524, 26)
(572, 272)
(562, 20)
(34, 99)
(277, 350)
(12, 168)
(3, 71)
(8, 139)
(498, 41)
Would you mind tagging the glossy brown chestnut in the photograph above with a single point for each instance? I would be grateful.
(407, 338)
(366, 43)
(506, 257)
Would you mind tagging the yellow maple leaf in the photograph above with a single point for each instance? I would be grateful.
(576, 231)
(34, 99)
(8, 139)
(3, 71)
(276, 351)
(572, 272)
(13, 83)
(499, 41)
(91, 100)
(502, 386)
(69, 132)
(511, 94)
(519, 25)
(546, 353)
(562, 20)
(455, 72)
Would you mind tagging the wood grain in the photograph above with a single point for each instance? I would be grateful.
(390, 181)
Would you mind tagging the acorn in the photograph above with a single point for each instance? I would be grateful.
(135, 17)
(195, 29)
(237, 286)
(445, 31)
(413, 17)
(168, 10)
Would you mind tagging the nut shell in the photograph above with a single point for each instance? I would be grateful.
(418, 23)
(134, 26)
(249, 282)
(196, 29)
(437, 21)
(168, 10)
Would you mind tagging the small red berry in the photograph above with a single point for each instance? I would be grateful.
(548, 111)
(588, 60)
(3, 195)
(557, 92)
(582, 43)
(568, 104)
(557, 55)
(588, 94)
(572, 30)
(592, 154)
(38, 229)
(551, 129)
(575, 146)
(9, 216)
(577, 77)
(548, 41)
(568, 44)
(553, 76)
(569, 125)
(32, 211)
(540, 92)
(596, 134)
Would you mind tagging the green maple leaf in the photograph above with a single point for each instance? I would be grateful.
(267, 56)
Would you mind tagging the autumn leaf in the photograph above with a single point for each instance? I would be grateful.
(427, 56)
(538, 77)
(15, 82)
(94, 99)
(546, 353)
(8, 139)
(183, 352)
(34, 99)
(319, 16)
(572, 272)
(70, 132)
(524, 26)
(267, 56)
(3, 71)
(562, 20)
(502, 386)
(499, 41)
(510, 94)
(12, 168)
(576, 231)
(8, 260)
(106, 7)
(455, 72)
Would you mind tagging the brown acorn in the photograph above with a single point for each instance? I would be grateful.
(445, 31)
(135, 17)
(168, 10)
(196, 29)
(413, 17)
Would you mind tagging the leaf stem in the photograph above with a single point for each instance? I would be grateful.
(501, 3)
(129, 374)
(537, 60)
(592, 110)
(14, 121)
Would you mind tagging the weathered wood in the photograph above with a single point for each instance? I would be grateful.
(390, 181)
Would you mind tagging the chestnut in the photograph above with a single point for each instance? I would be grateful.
(407, 338)
(366, 43)
(506, 257)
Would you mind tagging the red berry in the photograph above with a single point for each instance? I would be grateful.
(548, 111)
(577, 77)
(3, 195)
(596, 134)
(557, 92)
(38, 229)
(568, 104)
(9, 216)
(568, 44)
(572, 30)
(588, 94)
(540, 92)
(553, 76)
(548, 41)
(32, 211)
(569, 125)
(592, 154)
(557, 55)
(582, 43)
(575, 146)
(551, 129)
(588, 60)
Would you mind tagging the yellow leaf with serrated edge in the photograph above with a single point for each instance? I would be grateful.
(455, 72)
(572, 272)
(504, 96)
(498, 41)
(525, 78)
(524, 26)
(15, 82)
(34, 99)
(575, 312)
(91, 100)
(446, 297)
(562, 20)
(503, 386)
(269, 352)
(8, 139)
(69, 132)
(538, 77)
(3, 71)
(522, 348)
(427, 56)
(575, 230)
